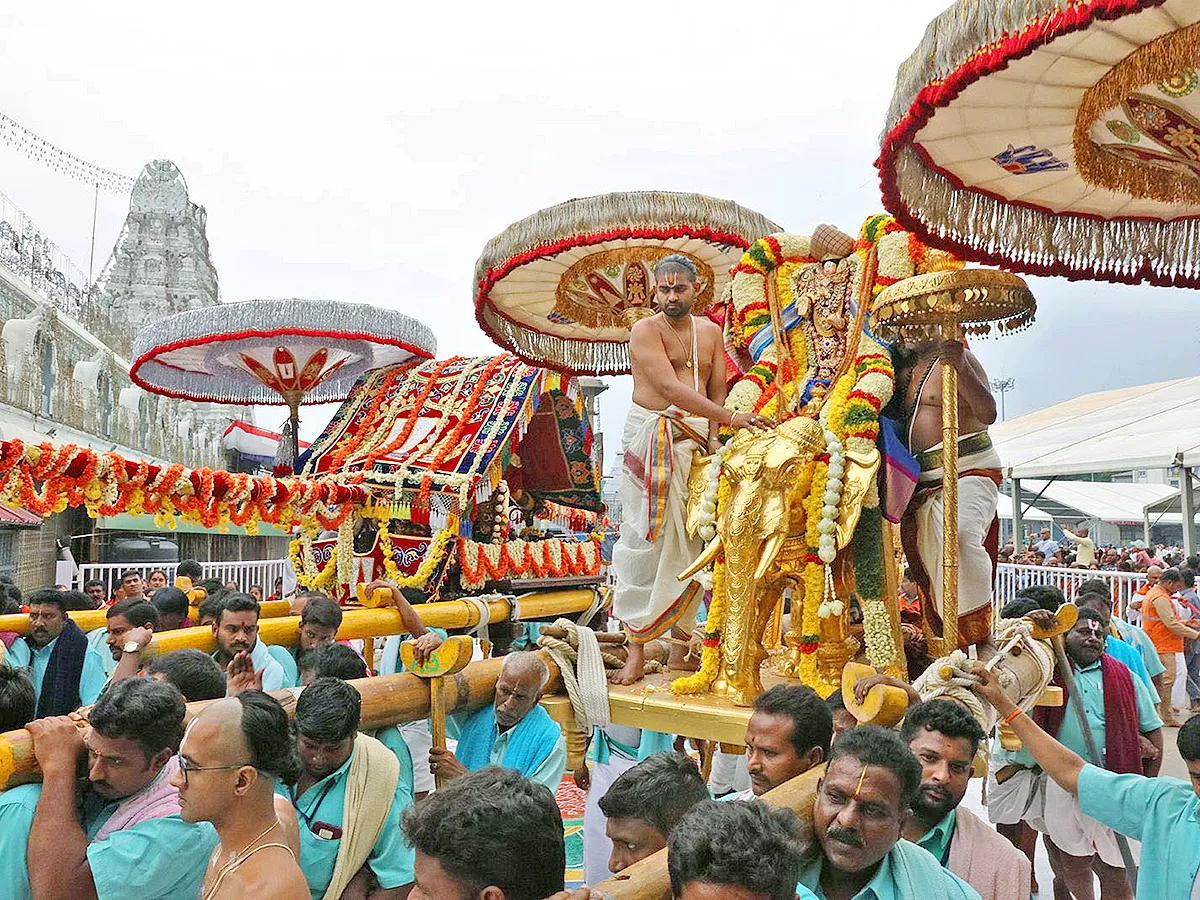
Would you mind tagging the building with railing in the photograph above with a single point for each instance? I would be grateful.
(64, 372)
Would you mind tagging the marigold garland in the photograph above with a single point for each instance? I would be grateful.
(710, 656)
(552, 558)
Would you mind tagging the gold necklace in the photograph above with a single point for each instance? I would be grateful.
(682, 346)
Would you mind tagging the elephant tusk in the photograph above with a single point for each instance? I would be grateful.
(771, 548)
(709, 554)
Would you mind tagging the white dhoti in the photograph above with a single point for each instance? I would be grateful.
(419, 738)
(622, 745)
(1077, 834)
(1021, 797)
(728, 773)
(978, 492)
(653, 546)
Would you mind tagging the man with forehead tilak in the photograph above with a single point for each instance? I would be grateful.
(861, 807)
(233, 754)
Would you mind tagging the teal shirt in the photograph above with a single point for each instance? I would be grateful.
(159, 859)
(1141, 642)
(323, 804)
(1089, 682)
(549, 773)
(1163, 813)
(937, 839)
(16, 818)
(97, 639)
(900, 861)
(392, 738)
(92, 678)
(287, 662)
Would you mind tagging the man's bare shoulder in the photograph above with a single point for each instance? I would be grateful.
(270, 874)
(707, 326)
(643, 327)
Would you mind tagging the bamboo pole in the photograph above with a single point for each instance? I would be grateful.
(90, 619)
(650, 880)
(949, 501)
(386, 700)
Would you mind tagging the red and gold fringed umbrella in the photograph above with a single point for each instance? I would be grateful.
(562, 288)
(1055, 138)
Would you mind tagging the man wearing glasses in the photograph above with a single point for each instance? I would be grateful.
(132, 843)
(232, 757)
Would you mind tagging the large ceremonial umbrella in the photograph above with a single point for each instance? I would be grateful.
(275, 352)
(563, 287)
(1054, 138)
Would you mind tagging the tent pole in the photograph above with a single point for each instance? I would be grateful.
(1189, 510)
(1018, 519)
(1146, 528)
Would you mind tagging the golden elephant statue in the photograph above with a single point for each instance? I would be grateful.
(761, 529)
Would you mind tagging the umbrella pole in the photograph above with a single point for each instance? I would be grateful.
(949, 499)
(293, 402)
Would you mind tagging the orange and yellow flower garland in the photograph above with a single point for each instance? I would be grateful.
(551, 558)
(710, 656)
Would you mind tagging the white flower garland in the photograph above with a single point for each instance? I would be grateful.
(827, 548)
(707, 528)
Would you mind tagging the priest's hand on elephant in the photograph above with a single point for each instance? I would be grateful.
(749, 420)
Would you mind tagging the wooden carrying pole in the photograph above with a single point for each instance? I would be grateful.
(649, 879)
(386, 700)
(949, 500)
(451, 657)
(89, 619)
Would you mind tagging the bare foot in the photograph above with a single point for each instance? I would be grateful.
(634, 669)
(678, 659)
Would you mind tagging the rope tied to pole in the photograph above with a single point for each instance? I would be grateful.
(581, 662)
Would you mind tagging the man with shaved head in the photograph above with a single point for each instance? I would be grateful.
(514, 732)
(233, 754)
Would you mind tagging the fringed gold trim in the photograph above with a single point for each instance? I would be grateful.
(562, 354)
(998, 232)
(1174, 52)
(964, 31)
(628, 209)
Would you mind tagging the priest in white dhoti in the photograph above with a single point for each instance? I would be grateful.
(678, 366)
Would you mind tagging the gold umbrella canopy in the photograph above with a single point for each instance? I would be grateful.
(562, 288)
(1054, 138)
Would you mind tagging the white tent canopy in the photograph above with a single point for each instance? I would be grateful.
(1004, 510)
(1108, 502)
(1152, 426)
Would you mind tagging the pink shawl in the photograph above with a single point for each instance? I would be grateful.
(984, 859)
(156, 800)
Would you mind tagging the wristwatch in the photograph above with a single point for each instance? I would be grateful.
(131, 647)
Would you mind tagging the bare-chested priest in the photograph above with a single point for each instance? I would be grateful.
(678, 363)
(920, 376)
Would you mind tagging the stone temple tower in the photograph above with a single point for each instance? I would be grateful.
(160, 264)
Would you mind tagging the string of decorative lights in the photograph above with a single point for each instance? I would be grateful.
(15, 135)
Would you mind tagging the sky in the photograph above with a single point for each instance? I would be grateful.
(367, 152)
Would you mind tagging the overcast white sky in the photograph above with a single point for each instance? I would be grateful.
(367, 152)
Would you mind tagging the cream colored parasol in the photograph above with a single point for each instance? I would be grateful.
(1055, 138)
(563, 287)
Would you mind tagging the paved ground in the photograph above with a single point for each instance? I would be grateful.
(1172, 765)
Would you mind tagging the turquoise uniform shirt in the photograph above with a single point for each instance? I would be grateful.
(1140, 641)
(263, 661)
(97, 639)
(287, 662)
(323, 805)
(883, 885)
(1163, 813)
(1089, 682)
(16, 818)
(159, 859)
(937, 839)
(392, 738)
(1128, 654)
(549, 773)
(92, 678)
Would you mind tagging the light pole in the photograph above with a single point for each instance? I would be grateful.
(1002, 386)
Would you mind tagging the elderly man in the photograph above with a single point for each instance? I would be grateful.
(66, 672)
(943, 737)
(1153, 573)
(644, 804)
(1167, 631)
(787, 735)
(678, 365)
(920, 370)
(736, 851)
(861, 808)
(489, 835)
(514, 731)
(353, 848)
(233, 755)
(130, 842)
(1125, 727)
(1162, 813)
(236, 631)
